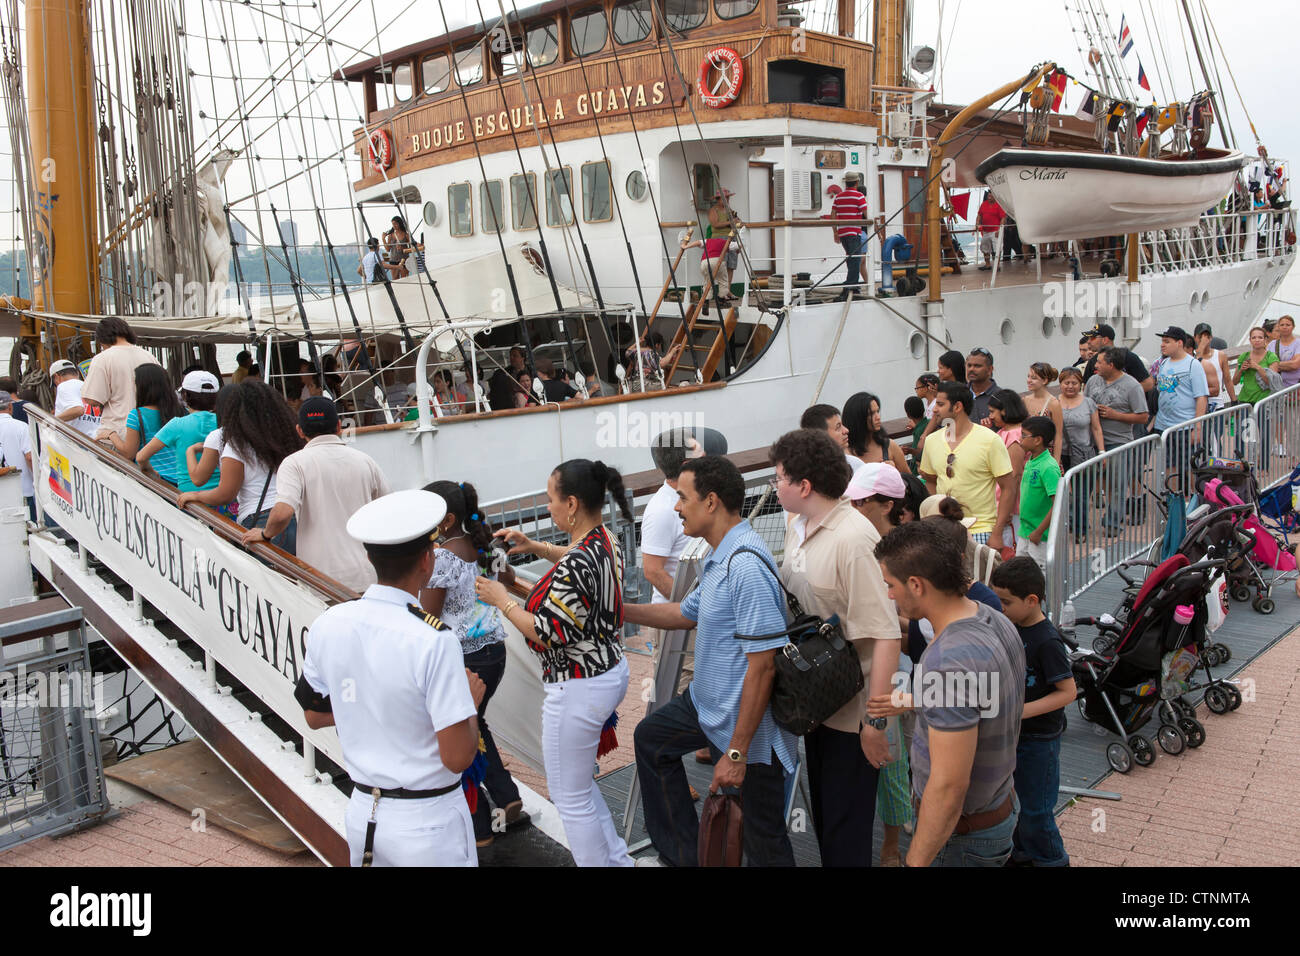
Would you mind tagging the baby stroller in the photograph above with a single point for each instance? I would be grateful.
(1123, 684)
(1265, 561)
(1277, 506)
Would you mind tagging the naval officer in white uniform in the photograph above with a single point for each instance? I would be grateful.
(395, 685)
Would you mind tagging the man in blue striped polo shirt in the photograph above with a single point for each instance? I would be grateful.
(726, 706)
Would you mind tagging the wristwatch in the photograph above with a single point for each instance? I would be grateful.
(879, 723)
(735, 756)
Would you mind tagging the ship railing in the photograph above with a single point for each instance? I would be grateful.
(1219, 239)
(1112, 508)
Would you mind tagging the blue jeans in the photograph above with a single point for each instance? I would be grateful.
(988, 847)
(661, 740)
(1038, 778)
(489, 663)
(853, 250)
(286, 540)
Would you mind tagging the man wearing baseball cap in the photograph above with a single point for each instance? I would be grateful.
(16, 451)
(323, 484)
(1102, 336)
(68, 406)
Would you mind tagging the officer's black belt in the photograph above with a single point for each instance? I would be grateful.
(401, 793)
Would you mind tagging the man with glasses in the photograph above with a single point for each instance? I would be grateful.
(927, 389)
(967, 462)
(979, 377)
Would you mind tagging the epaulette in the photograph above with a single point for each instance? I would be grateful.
(431, 619)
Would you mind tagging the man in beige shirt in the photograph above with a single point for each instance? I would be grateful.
(830, 566)
(323, 485)
(109, 389)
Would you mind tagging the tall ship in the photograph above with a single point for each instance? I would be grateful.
(570, 182)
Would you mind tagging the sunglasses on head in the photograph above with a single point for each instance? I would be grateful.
(982, 351)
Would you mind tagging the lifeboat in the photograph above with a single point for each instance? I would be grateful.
(1056, 195)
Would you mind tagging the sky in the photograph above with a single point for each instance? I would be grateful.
(982, 43)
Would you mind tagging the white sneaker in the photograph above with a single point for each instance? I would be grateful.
(648, 861)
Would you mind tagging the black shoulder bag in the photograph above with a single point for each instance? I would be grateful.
(817, 672)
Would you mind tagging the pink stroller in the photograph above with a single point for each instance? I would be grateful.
(1267, 554)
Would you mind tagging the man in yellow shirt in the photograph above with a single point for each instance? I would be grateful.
(968, 462)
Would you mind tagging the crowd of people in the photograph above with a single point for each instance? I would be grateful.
(931, 561)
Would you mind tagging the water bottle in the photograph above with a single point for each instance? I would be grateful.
(894, 737)
(1066, 623)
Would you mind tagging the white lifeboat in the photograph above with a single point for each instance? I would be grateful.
(1056, 195)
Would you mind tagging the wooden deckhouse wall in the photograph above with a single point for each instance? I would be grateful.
(419, 127)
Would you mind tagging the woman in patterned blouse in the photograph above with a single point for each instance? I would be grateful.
(465, 552)
(572, 621)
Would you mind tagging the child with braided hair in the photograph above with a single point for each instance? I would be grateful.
(465, 551)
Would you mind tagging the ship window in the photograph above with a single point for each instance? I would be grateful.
(705, 178)
(597, 193)
(916, 194)
(490, 204)
(510, 53)
(730, 9)
(384, 88)
(632, 20)
(460, 209)
(587, 32)
(814, 191)
(559, 201)
(435, 74)
(402, 87)
(523, 201)
(543, 44)
(683, 15)
(469, 64)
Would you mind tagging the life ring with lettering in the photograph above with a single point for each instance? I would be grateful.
(381, 150)
(721, 76)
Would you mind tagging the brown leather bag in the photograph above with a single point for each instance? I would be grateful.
(722, 827)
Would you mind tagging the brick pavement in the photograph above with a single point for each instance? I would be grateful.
(149, 833)
(1231, 802)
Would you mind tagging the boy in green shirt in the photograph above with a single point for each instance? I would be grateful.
(1038, 484)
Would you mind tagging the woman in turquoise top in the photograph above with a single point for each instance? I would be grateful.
(155, 405)
(199, 392)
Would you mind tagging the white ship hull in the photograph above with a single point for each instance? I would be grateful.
(878, 352)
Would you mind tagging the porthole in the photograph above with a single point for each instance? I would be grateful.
(636, 186)
(1008, 331)
(1067, 323)
(1049, 326)
(431, 214)
(1205, 299)
(917, 344)
(1196, 298)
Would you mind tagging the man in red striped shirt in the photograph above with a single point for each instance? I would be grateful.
(850, 203)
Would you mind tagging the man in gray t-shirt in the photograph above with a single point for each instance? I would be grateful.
(968, 692)
(1121, 402)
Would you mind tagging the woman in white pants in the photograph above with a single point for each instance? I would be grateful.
(572, 621)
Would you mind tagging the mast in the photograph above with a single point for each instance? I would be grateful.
(888, 33)
(60, 122)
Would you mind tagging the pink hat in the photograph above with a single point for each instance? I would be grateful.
(876, 478)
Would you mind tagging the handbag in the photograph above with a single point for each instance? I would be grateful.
(817, 672)
(722, 829)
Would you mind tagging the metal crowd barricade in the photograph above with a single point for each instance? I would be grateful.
(1226, 433)
(51, 771)
(1276, 433)
(1103, 515)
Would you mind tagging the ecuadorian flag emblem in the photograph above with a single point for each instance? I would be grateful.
(60, 476)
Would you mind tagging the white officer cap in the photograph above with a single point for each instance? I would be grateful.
(399, 523)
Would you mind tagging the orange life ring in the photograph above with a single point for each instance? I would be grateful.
(731, 74)
(381, 150)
